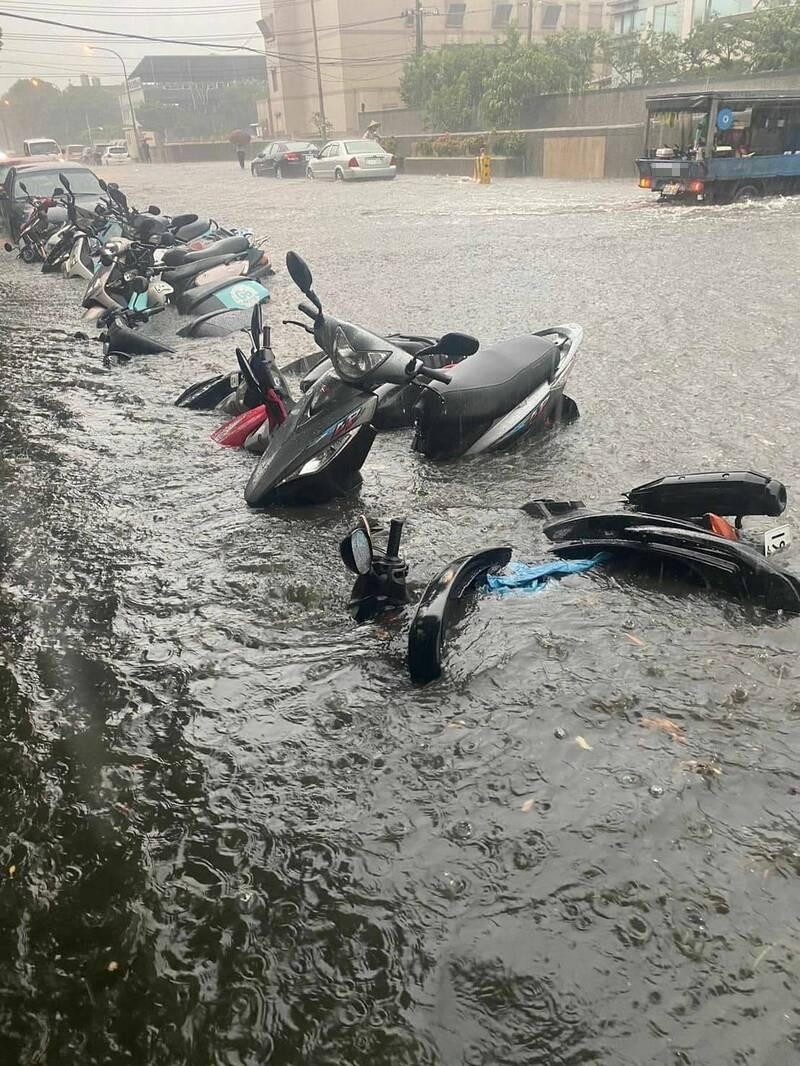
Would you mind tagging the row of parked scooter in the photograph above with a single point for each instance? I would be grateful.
(460, 398)
(137, 263)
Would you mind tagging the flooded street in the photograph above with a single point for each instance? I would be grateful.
(233, 833)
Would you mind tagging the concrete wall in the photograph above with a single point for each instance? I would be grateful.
(462, 166)
(200, 151)
(560, 152)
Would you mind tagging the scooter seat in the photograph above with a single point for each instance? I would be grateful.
(179, 221)
(187, 271)
(193, 230)
(492, 381)
(192, 298)
(179, 256)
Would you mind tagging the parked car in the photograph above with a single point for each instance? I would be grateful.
(37, 146)
(74, 152)
(354, 160)
(115, 153)
(283, 159)
(41, 179)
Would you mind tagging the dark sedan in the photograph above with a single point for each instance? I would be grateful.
(41, 179)
(283, 159)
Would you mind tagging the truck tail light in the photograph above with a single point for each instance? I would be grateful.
(645, 183)
(695, 185)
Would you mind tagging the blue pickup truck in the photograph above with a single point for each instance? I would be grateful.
(717, 147)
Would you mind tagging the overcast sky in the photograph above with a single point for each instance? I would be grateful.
(33, 50)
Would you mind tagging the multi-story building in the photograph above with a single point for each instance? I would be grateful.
(192, 81)
(362, 48)
(675, 16)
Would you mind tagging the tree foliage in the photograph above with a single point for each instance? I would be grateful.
(212, 114)
(33, 107)
(478, 85)
(460, 87)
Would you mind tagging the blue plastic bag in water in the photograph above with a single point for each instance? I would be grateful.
(534, 578)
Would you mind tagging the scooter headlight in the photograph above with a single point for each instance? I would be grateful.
(352, 364)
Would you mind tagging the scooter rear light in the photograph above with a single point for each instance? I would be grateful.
(393, 161)
(696, 186)
(645, 183)
(353, 162)
(292, 157)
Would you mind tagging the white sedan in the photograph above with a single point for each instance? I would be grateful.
(352, 161)
(115, 153)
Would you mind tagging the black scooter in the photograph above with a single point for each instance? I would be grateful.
(319, 450)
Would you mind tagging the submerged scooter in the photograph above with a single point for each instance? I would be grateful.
(500, 394)
(256, 383)
(318, 452)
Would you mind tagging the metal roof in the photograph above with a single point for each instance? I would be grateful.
(156, 70)
(700, 101)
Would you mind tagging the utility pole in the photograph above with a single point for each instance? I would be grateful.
(416, 14)
(323, 121)
(530, 21)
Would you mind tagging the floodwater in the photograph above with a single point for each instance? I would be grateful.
(231, 831)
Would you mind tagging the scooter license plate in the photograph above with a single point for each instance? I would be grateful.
(776, 539)
(672, 188)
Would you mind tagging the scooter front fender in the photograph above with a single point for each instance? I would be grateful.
(434, 611)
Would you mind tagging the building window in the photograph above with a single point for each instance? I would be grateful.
(572, 16)
(630, 22)
(550, 16)
(665, 18)
(501, 16)
(710, 9)
(595, 16)
(455, 16)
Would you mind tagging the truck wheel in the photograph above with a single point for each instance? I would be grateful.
(746, 192)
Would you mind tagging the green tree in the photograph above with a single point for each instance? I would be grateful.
(774, 37)
(640, 59)
(717, 43)
(447, 85)
(323, 126)
(236, 106)
(459, 88)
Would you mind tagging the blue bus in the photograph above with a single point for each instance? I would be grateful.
(717, 147)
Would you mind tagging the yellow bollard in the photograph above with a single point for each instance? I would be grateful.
(483, 168)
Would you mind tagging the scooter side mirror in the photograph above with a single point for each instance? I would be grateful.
(457, 345)
(102, 184)
(356, 551)
(256, 325)
(106, 258)
(299, 272)
(153, 210)
(24, 188)
(65, 181)
(140, 284)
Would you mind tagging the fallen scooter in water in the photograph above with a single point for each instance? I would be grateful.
(688, 540)
(256, 394)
